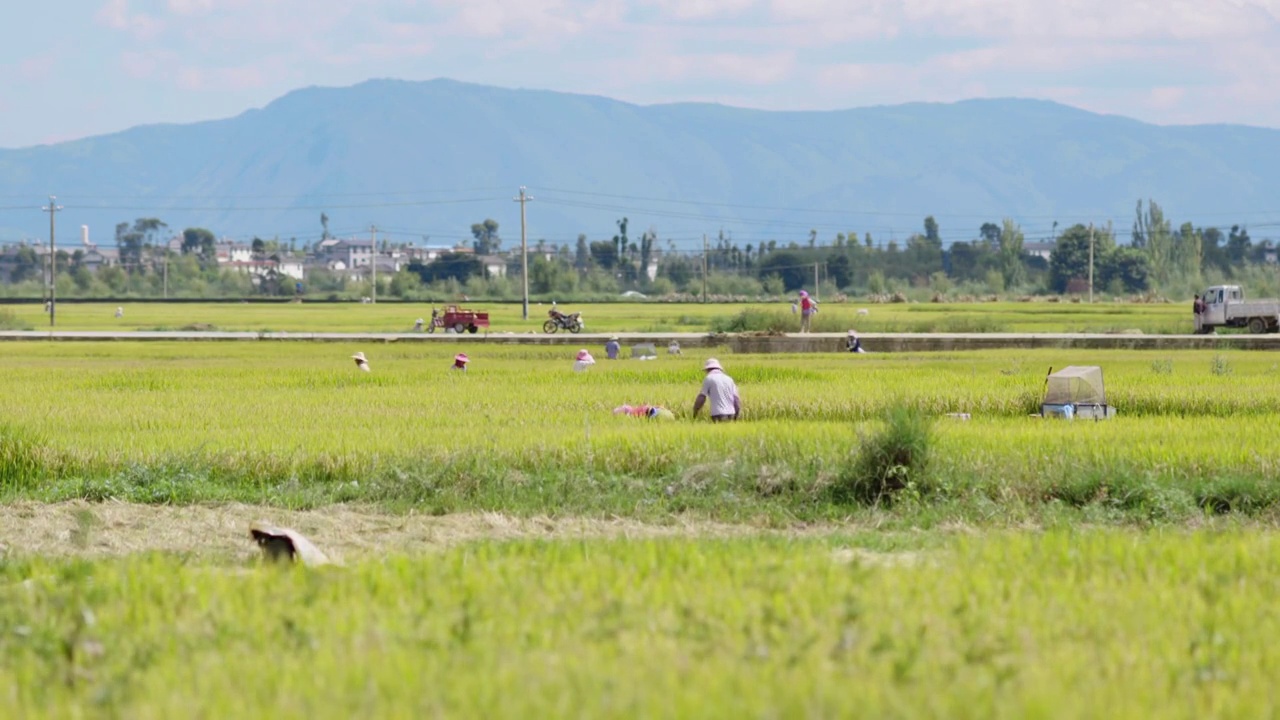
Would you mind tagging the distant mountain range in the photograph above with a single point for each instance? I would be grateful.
(428, 159)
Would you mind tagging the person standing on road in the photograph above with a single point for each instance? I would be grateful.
(1197, 309)
(808, 306)
(720, 389)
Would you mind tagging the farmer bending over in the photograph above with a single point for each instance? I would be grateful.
(720, 389)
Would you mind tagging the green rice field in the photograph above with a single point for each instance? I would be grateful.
(850, 549)
(300, 425)
(1070, 625)
(1039, 317)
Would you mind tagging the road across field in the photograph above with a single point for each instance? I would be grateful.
(737, 342)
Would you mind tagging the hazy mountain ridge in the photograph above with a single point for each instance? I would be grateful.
(362, 153)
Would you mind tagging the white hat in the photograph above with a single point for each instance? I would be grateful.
(712, 364)
(358, 356)
(853, 333)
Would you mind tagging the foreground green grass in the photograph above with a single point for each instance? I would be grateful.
(1062, 625)
(1037, 317)
(298, 425)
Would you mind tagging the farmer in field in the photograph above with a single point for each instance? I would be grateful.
(852, 343)
(808, 306)
(721, 391)
(612, 348)
(460, 362)
(583, 361)
(652, 412)
(1197, 311)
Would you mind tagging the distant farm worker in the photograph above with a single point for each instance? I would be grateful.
(120, 312)
(460, 362)
(612, 348)
(360, 361)
(583, 361)
(652, 412)
(808, 306)
(418, 325)
(852, 343)
(1197, 311)
(673, 348)
(720, 389)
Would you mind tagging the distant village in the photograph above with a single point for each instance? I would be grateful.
(351, 257)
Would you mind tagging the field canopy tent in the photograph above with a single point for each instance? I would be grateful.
(1075, 385)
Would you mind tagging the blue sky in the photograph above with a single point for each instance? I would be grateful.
(71, 68)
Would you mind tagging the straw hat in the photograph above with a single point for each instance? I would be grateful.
(462, 358)
(613, 338)
(279, 543)
(712, 364)
(584, 355)
(360, 361)
(853, 333)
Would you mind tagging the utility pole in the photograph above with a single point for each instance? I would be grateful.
(1090, 263)
(373, 260)
(52, 209)
(166, 272)
(524, 250)
(815, 281)
(704, 268)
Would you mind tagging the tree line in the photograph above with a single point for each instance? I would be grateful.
(1157, 258)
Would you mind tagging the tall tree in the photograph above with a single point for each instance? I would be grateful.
(486, 235)
(1153, 233)
(199, 241)
(931, 231)
(1012, 267)
(324, 224)
(582, 255)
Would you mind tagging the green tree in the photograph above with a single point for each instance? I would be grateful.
(1013, 269)
(449, 265)
(1128, 265)
(604, 254)
(199, 241)
(1152, 233)
(1069, 261)
(486, 237)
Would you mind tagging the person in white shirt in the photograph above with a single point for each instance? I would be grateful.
(721, 391)
(583, 361)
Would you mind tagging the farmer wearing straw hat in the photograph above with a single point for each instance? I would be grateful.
(583, 361)
(361, 362)
(720, 389)
(460, 362)
(612, 347)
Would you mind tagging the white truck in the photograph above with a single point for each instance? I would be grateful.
(1225, 306)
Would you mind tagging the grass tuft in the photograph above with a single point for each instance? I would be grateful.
(889, 461)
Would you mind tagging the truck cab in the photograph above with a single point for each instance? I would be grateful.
(1216, 299)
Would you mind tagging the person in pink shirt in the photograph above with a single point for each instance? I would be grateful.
(808, 306)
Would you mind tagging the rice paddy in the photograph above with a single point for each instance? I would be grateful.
(1039, 317)
(1021, 567)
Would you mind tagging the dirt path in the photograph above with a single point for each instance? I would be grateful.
(222, 531)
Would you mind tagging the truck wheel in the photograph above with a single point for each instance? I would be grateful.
(1257, 326)
(549, 327)
(459, 328)
(472, 329)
